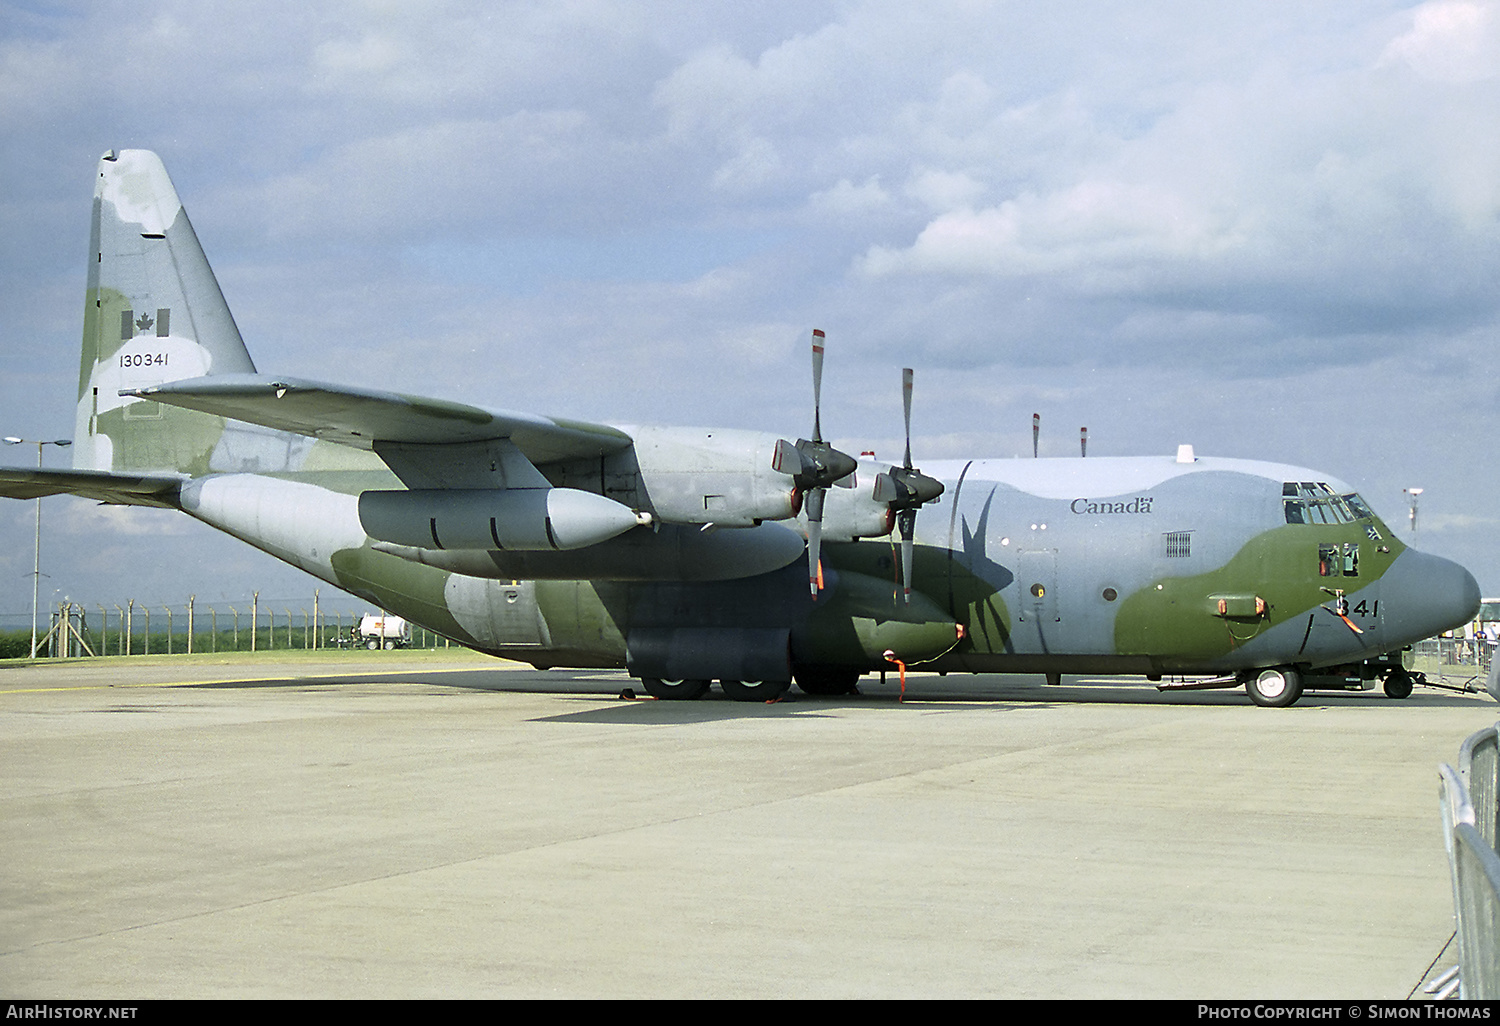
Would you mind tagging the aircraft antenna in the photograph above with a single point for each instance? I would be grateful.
(1036, 434)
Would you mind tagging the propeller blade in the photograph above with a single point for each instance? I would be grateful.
(814, 465)
(906, 489)
(814, 540)
(906, 376)
(908, 533)
(787, 459)
(817, 367)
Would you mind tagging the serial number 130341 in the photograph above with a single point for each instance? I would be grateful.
(143, 359)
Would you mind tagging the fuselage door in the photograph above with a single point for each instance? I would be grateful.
(1036, 580)
(515, 618)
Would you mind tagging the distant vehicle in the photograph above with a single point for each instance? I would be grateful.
(384, 631)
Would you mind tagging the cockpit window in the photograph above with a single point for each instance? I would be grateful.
(1307, 502)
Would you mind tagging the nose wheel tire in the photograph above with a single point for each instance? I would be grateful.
(754, 690)
(1274, 688)
(674, 689)
(1398, 684)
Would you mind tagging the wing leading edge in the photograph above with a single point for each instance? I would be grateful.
(361, 417)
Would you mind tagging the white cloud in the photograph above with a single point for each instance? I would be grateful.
(847, 199)
(1450, 41)
(944, 190)
(1094, 223)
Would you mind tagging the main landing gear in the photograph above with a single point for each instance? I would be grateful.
(754, 690)
(739, 690)
(674, 689)
(828, 680)
(813, 680)
(1274, 688)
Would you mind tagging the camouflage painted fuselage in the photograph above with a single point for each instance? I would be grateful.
(1140, 565)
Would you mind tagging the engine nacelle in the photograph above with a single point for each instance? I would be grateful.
(518, 519)
(700, 476)
(853, 512)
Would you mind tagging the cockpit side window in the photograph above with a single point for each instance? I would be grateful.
(1338, 560)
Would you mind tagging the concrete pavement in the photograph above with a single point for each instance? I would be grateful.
(406, 825)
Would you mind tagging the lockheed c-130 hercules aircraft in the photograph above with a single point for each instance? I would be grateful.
(693, 555)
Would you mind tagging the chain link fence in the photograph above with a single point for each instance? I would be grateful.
(71, 629)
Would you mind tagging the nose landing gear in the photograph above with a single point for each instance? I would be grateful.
(1398, 683)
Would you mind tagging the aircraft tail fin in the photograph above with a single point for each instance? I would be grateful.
(153, 313)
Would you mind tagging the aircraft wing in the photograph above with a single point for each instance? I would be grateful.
(104, 485)
(361, 417)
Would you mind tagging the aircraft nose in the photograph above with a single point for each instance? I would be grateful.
(1424, 595)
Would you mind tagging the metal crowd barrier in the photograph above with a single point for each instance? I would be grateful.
(1471, 816)
(1447, 657)
(1479, 770)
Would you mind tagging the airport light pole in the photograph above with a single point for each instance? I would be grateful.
(1412, 494)
(36, 566)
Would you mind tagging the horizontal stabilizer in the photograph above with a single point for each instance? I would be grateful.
(103, 485)
(360, 417)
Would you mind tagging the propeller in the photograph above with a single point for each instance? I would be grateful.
(813, 465)
(906, 490)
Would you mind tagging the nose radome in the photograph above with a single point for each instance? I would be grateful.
(1424, 595)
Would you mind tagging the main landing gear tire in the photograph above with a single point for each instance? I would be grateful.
(674, 689)
(1398, 684)
(1274, 688)
(754, 690)
(828, 680)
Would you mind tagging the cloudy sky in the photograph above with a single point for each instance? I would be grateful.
(1269, 230)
